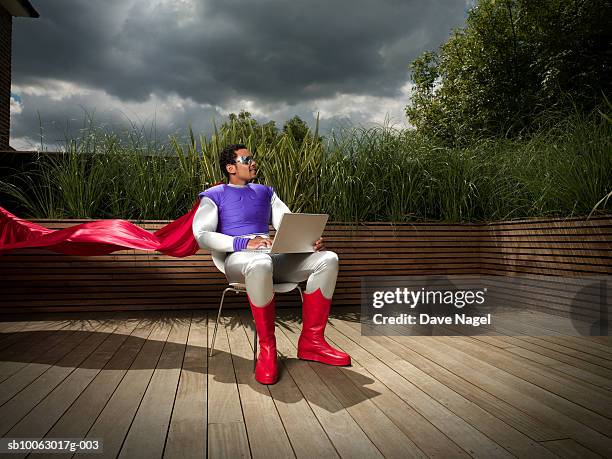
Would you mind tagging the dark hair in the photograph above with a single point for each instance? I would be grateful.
(228, 156)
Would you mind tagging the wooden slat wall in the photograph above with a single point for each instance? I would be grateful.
(36, 280)
(552, 253)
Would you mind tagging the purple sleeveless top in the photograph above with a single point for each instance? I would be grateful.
(242, 210)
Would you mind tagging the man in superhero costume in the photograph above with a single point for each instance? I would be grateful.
(232, 219)
(227, 220)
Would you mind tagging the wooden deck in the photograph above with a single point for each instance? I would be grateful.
(143, 383)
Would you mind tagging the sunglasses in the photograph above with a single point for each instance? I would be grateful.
(246, 160)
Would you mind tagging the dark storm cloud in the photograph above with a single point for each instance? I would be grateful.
(50, 122)
(56, 121)
(270, 50)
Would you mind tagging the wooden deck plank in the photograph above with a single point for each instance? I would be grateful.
(357, 399)
(303, 418)
(386, 436)
(27, 345)
(534, 379)
(465, 386)
(563, 359)
(502, 385)
(28, 331)
(227, 434)
(223, 395)
(528, 396)
(187, 432)
(228, 440)
(147, 435)
(576, 354)
(10, 326)
(584, 344)
(603, 340)
(467, 424)
(578, 373)
(267, 435)
(38, 421)
(27, 372)
(550, 348)
(25, 400)
(81, 415)
(529, 377)
(570, 449)
(28, 322)
(424, 434)
(113, 423)
(560, 324)
(494, 341)
(9, 332)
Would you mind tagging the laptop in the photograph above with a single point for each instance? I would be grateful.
(296, 233)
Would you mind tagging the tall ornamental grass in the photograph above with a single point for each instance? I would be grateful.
(355, 174)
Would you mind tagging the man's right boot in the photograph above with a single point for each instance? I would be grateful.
(266, 368)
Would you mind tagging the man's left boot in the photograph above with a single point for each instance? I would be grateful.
(312, 344)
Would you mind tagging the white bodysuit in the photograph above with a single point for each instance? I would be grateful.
(258, 271)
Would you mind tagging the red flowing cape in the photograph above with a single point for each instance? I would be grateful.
(99, 237)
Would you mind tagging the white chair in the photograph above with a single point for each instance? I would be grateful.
(241, 288)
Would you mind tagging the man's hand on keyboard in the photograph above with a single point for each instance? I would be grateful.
(318, 244)
(259, 242)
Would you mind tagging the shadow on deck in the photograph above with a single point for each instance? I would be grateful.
(143, 383)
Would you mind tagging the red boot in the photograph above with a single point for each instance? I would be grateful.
(312, 344)
(266, 369)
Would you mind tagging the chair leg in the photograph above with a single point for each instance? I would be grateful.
(212, 344)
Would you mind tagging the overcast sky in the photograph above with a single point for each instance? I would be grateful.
(181, 62)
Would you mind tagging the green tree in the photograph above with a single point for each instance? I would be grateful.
(297, 129)
(514, 61)
(243, 128)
